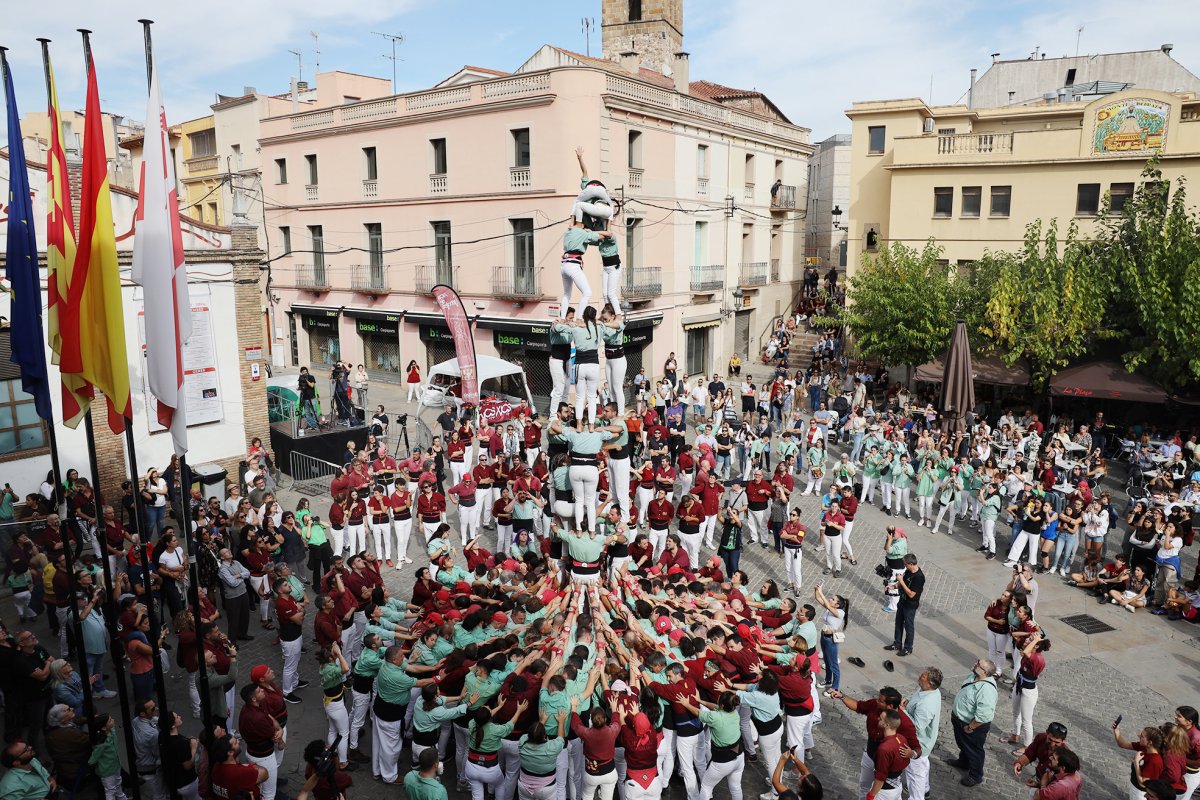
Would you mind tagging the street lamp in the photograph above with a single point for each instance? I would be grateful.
(837, 218)
(738, 294)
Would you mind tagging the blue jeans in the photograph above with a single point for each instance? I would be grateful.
(154, 521)
(143, 686)
(814, 397)
(95, 665)
(1012, 534)
(732, 559)
(829, 654)
(723, 466)
(309, 409)
(906, 619)
(858, 446)
(1064, 548)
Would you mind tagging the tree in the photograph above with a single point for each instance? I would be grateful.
(902, 304)
(1153, 251)
(1047, 305)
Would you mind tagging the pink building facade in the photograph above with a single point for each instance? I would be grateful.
(370, 203)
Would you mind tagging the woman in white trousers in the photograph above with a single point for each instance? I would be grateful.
(902, 487)
(381, 523)
(1025, 692)
(356, 523)
(766, 717)
(725, 759)
(615, 365)
(792, 539)
(333, 671)
(832, 528)
(401, 503)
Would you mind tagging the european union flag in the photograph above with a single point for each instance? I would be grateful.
(25, 314)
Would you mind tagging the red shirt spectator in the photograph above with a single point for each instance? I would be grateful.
(337, 515)
(660, 512)
(889, 764)
(871, 710)
(431, 505)
(456, 450)
(230, 780)
(710, 497)
(758, 492)
(401, 503)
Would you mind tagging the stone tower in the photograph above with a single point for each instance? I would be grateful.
(651, 28)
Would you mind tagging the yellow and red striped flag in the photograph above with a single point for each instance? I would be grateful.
(60, 255)
(91, 322)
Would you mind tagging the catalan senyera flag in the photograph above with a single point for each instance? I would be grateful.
(25, 312)
(60, 257)
(91, 324)
(158, 267)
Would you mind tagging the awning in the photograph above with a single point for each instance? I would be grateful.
(424, 317)
(314, 311)
(706, 321)
(1106, 380)
(990, 370)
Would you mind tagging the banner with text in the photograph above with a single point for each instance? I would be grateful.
(464, 346)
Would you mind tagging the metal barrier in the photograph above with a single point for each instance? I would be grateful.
(312, 476)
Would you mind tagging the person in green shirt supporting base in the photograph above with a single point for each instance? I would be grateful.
(422, 783)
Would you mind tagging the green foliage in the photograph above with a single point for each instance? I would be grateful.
(1153, 252)
(1047, 307)
(903, 303)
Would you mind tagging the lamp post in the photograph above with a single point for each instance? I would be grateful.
(837, 218)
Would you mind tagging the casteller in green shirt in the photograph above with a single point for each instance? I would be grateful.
(417, 787)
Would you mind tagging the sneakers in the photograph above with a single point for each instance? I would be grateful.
(990, 555)
(1159, 612)
(293, 698)
(1010, 564)
(107, 694)
(982, 548)
(301, 684)
(1129, 607)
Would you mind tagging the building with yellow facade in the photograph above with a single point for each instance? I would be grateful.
(973, 178)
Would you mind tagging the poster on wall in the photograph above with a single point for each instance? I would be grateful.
(1133, 125)
(201, 384)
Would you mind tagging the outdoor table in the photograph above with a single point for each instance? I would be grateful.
(1067, 465)
(1157, 459)
(1074, 447)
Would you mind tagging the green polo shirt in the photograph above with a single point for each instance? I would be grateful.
(925, 711)
(539, 758)
(316, 534)
(576, 240)
(393, 684)
(104, 758)
(331, 675)
(18, 784)
(976, 700)
(426, 721)
(583, 547)
(368, 663)
(493, 734)
(485, 687)
(418, 788)
(725, 727)
(551, 703)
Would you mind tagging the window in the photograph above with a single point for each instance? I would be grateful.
(281, 170)
(439, 156)
(972, 197)
(943, 201)
(20, 426)
(1087, 200)
(633, 243)
(317, 234)
(204, 143)
(778, 169)
(285, 238)
(370, 163)
(442, 255)
(374, 232)
(701, 161)
(523, 263)
(236, 151)
(1070, 81)
(1119, 194)
(696, 357)
(521, 147)
(635, 150)
(700, 252)
(635, 10)
(311, 161)
(212, 213)
(747, 243)
(945, 131)
(875, 138)
(749, 169)
(349, 99)
(1001, 201)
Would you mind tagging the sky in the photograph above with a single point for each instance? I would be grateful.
(812, 59)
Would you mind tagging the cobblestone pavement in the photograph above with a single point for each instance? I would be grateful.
(1142, 669)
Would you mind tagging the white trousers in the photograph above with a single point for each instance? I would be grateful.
(483, 778)
(262, 584)
(356, 538)
(771, 746)
(886, 488)
(1191, 780)
(510, 765)
(618, 478)
(614, 370)
(691, 543)
(989, 535)
(587, 389)
(381, 540)
(573, 278)
(1023, 704)
(904, 495)
(583, 206)
(610, 285)
(924, 507)
(429, 528)
(468, 523)
(642, 499)
(600, 787)
(997, 644)
(336, 537)
(916, 777)
(385, 748)
(658, 541)
(814, 678)
(558, 377)
(943, 511)
(868, 490)
(846, 548)
(403, 528)
(799, 734)
(720, 770)
(757, 527)
(113, 790)
(291, 663)
(485, 499)
(683, 486)
(1024, 539)
(866, 775)
(267, 787)
(833, 553)
(339, 723)
(360, 704)
(693, 758)
(793, 560)
(585, 478)
(634, 790)
(708, 528)
(504, 536)
(457, 470)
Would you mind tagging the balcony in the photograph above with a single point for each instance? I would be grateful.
(428, 276)
(748, 192)
(370, 279)
(370, 189)
(437, 184)
(775, 270)
(519, 178)
(635, 178)
(203, 164)
(784, 198)
(753, 273)
(974, 143)
(516, 283)
(702, 187)
(310, 192)
(313, 277)
(642, 283)
(708, 277)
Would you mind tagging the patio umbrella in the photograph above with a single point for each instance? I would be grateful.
(958, 385)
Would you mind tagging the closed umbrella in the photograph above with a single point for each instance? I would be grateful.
(958, 385)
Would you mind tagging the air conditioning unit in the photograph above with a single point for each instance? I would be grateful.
(929, 124)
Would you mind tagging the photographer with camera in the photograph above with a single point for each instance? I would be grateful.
(325, 781)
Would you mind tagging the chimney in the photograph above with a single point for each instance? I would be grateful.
(294, 92)
(995, 57)
(1011, 96)
(681, 72)
(629, 62)
(971, 91)
(1167, 48)
(248, 90)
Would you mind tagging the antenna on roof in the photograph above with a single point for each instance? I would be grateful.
(588, 23)
(316, 37)
(1078, 34)
(299, 64)
(395, 38)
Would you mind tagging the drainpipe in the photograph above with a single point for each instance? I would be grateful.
(971, 91)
